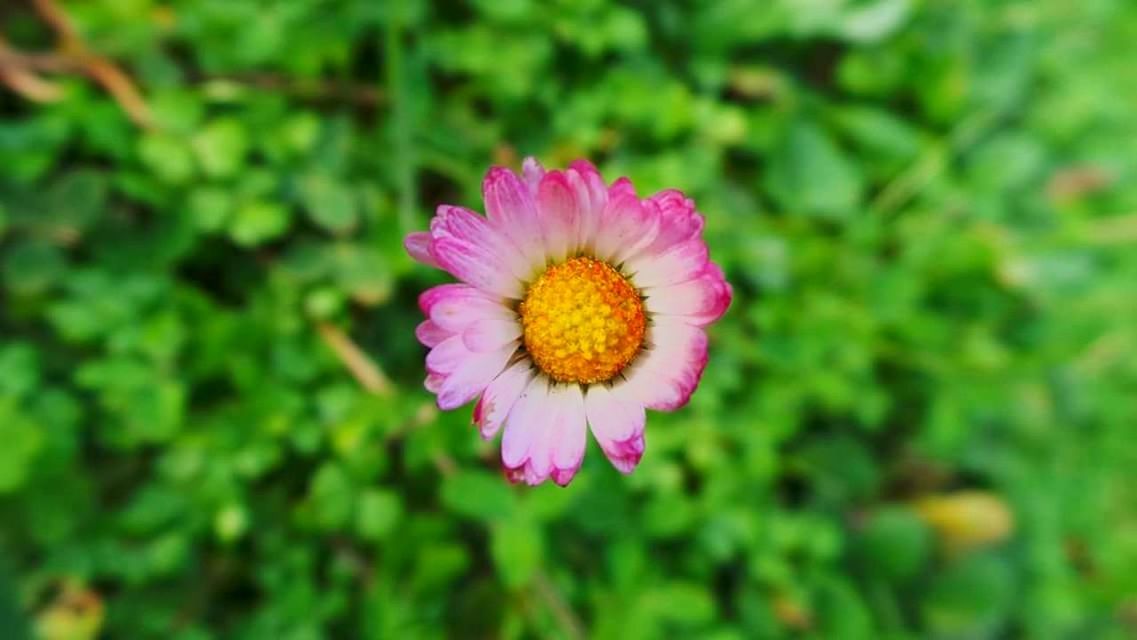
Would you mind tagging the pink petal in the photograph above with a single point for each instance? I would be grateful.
(593, 183)
(491, 332)
(557, 438)
(617, 420)
(432, 296)
(477, 267)
(680, 263)
(700, 301)
(430, 334)
(472, 376)
(512, 210)
(532, 171)
(458, 309)
(666, 374)
(523, 422)
(591, 197)
(568, 437)
(678, 220)
(447, 356)
(468, 227)
(500, 397)
(418, 247)
(560, 214)
(626, 226)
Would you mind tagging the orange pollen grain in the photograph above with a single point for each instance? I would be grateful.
(583, 321)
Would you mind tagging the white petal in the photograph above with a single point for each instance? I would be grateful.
(617, 420)
(523, 422)
(500, 397)
(472, 377)
(491, 332)
(680, 263)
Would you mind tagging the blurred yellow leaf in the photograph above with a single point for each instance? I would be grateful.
(967, 519)
(76, 613)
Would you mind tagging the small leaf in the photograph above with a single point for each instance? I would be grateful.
(329, 203)
(331, 496)
(258, 222)
(221, 147)
(168, 157)
(479, 495)
(379, 511)
(895, 543)
(810, 174)
(517, 548)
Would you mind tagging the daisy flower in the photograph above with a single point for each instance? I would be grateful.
(580, 305)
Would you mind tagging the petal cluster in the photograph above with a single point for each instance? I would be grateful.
(535, 221)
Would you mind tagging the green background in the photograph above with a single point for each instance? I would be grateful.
(919, 416)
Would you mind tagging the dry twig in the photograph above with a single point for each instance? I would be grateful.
(364, 369)
(19, 71)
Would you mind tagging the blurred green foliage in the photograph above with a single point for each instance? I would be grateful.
(928, 209)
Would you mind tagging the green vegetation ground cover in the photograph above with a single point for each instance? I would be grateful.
(918, 417)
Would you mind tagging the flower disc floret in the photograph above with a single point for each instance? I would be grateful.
(582, 321)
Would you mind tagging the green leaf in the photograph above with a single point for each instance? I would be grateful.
(258, 222)
(22, 441)
(681, 602)
(970, 598)
(168, 157)
(19, 369)
(33, 267)
(330, 204)
(810, 174)
(210, 207)
(479, 495)
(895, 544)
(331, 496)
(221, 147)
(378, 513)
(517, 549)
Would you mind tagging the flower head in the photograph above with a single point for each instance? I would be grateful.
(580, 305)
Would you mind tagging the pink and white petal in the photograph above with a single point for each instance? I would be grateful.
(512, 210)
(680, 263)
(568, 437)
(432, 296)
(418, 247)
(591, 196)
(532, 172)
(665, 375)
(430, 334)
(477, 267)
(447, 356)
(433, 382)
(491, 332)
(699, 301)
(560, 214)
(457, 312)
(557, 445)
(621, 186)
(472, 377)
(617, 419)
(597, 192)
(626, 226)
(466, 226)
(500, 397)
(679, 221)
(524, 422)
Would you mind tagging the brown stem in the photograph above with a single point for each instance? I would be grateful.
(364, 369)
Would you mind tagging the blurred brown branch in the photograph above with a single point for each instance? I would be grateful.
(364, 369)
(20, 71)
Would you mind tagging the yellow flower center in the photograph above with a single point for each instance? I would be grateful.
(583, 321)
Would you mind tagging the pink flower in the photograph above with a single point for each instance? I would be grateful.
(579, 304)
